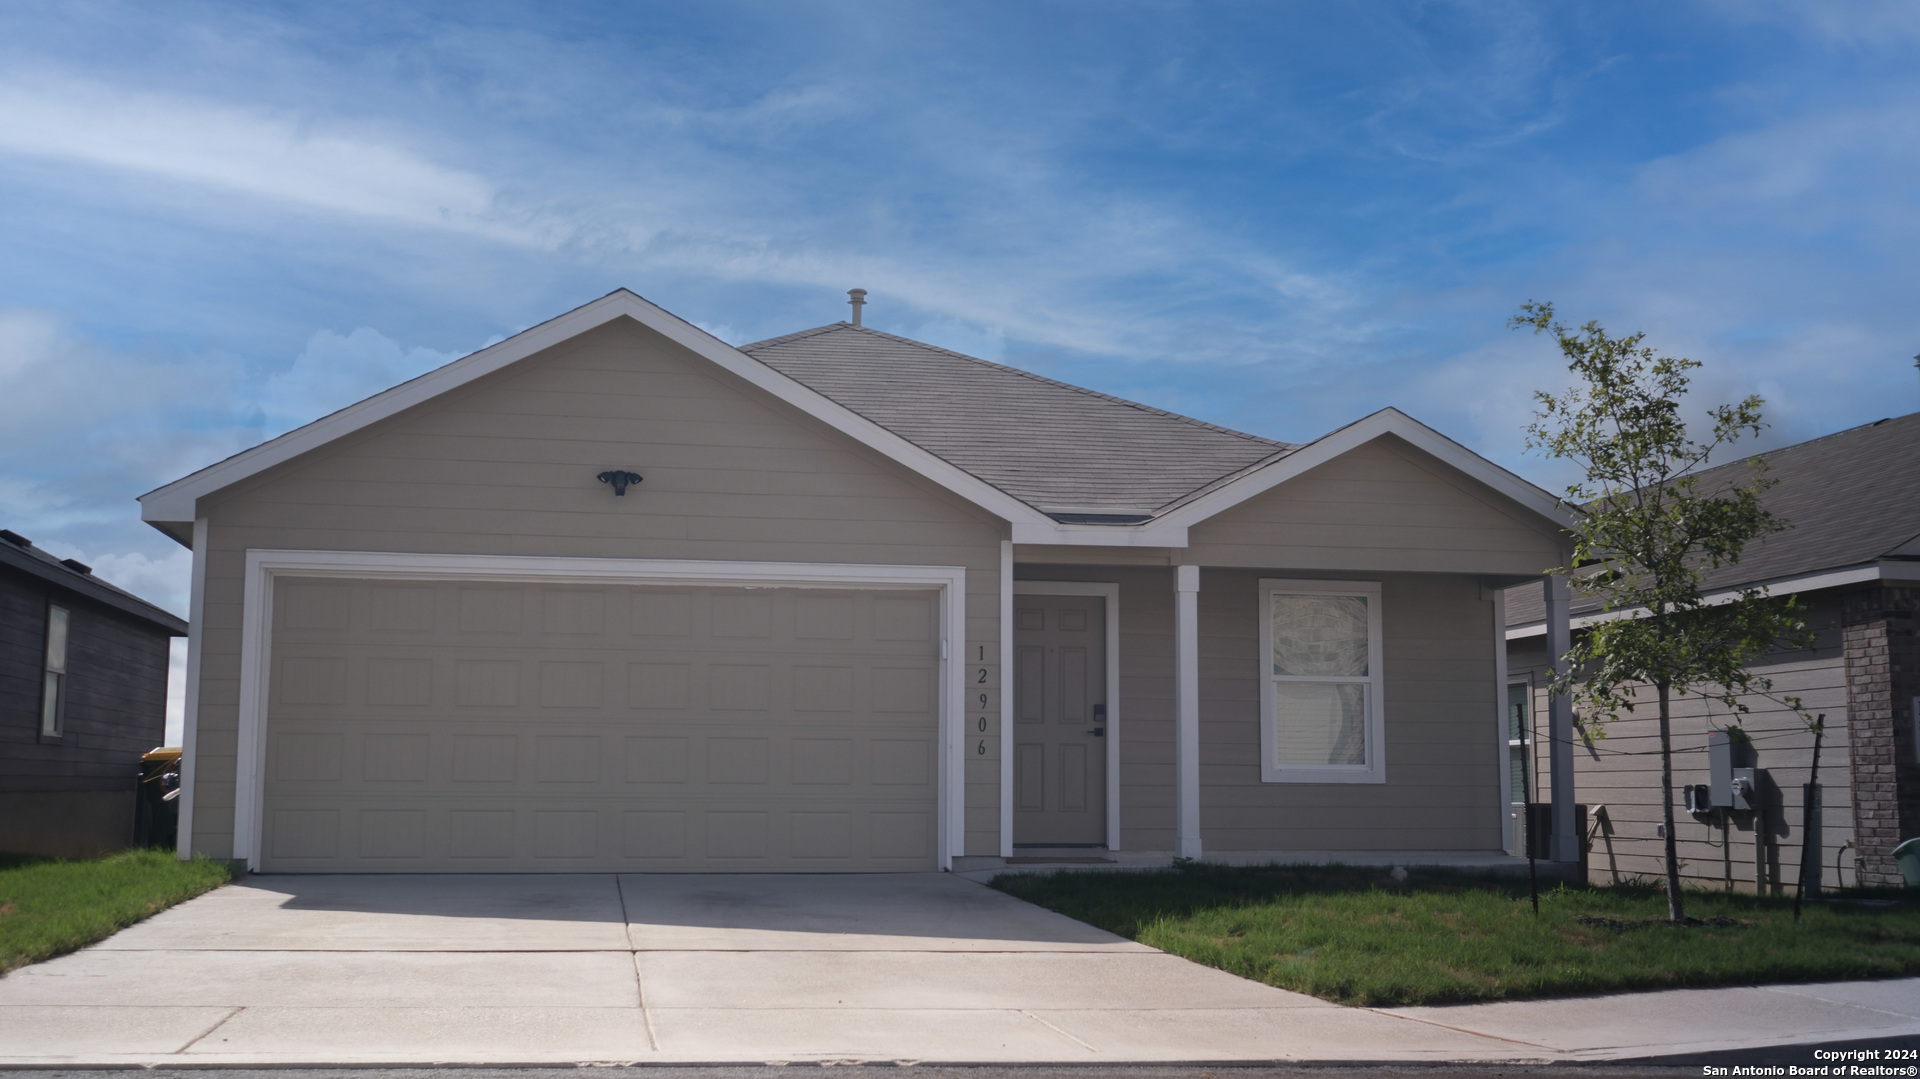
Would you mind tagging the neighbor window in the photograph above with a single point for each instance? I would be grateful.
(1320, 704)
(1519, 740)
(53, 686)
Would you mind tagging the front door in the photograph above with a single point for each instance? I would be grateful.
(1059, 721)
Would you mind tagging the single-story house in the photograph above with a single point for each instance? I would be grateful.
(1852, 554)
(83, 693)
(615, 595)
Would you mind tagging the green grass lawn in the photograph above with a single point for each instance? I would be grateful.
(1354, 935)
(50, 907)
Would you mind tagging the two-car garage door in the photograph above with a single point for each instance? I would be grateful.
(459, 726)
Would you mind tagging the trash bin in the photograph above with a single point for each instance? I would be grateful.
(157, 809)
(1907, 854)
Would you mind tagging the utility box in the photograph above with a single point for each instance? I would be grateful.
(1720, 768)
(1746, 789)
(1537, 839)
(1699, 797)
(1729, 755)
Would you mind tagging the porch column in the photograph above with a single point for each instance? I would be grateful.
(1186, 722)
(190, 714)
(1566, 842)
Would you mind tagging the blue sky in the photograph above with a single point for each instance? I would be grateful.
(220, 221)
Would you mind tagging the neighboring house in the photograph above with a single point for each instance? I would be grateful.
(1853, 556)
(863, 604)
(83, 693)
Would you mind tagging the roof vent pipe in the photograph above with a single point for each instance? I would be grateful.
(856, 299)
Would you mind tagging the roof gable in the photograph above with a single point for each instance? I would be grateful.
(173, 507)
(1060, 464)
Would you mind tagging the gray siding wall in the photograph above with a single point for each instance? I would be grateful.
(1443, 784)
(1443, 788)
(73, 797)
(1385, 507)
(1621, 771)
(506, 466)
(116, 706)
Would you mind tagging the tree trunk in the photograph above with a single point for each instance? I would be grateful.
(1675, 911)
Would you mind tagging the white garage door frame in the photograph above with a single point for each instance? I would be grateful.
(256, 640)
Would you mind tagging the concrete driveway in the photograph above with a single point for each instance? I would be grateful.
(532, 969)
(699, 969)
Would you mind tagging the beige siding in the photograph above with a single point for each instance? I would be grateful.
(1443, 787)
(1384, 507)
(507, 465)
(1621, 771)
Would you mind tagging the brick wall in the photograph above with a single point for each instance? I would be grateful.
(1882, 661)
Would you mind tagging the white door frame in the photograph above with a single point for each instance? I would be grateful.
(256, 641)
(1109, 591)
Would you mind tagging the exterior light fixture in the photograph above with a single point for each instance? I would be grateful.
(620, 479)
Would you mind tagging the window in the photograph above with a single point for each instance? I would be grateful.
(1519, 740)
(1322, 717)
(53, 686)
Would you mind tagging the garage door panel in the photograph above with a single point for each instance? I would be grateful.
(768, 836)
(536, 727)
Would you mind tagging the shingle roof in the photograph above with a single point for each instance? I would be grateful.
(1851, 497)
(1067, 451)
(19, 553)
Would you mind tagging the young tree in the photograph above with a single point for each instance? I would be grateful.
(1646, 534)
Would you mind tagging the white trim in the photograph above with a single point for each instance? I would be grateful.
(257, 621)
(1186, 713)
(1151, 534)
(1387, 421)
(1530, 758)
(1006, 698)
(177, 500)
(190, 704)
(1375, 770)
(1503, 776)
(1109, 591)
(1807, 582)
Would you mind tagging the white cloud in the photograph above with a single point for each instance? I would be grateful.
(337, 370)
(1884, 23)
(228, 148)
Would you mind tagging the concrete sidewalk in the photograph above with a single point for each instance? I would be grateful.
(696, 969)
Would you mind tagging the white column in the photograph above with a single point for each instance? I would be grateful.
(1566, 842)
(1006, 698)
(190, 710)
(1502, 776)
(1186, 679)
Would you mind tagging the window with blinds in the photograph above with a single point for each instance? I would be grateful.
(1322, 715)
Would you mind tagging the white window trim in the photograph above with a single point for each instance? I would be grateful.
(256, 638)
(1109, 591)
(1375, 770)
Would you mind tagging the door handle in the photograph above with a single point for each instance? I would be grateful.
(1098, 732)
